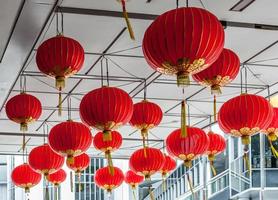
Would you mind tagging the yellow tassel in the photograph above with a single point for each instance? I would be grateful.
(214, 108)
(151, 194)
(144, 133)
(183, 120)
(60, 83)
(216, 89)
(110, 162)
(107, 135)
(213, 170)
(274, 151)
(70, 159)
(79, 182)
(23, 143)
(164, 181)
(60, 104)
(187, 163)
(27, 190)
(23, 127)
(129, 27)
(183, 79)
(71, 182)
(245, 140)
(246, 159)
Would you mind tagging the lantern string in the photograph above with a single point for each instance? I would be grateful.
(268, 93)
(188, 112)
(145, 90)
(241, 81)
(58, 32)
(246, 159)
(214, 108)
(128, 24)
(187, 4)
(202, 3)
(71, 181)
(107, 71)
(44, 130)
(177, 4)
(245, 79)
(69, 106)
(101, 71)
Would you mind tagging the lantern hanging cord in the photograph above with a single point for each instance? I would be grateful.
(44, 130)
(58, 32)
(101, 71)
(177, 4)
(22, 83)
(145, 90)
(69, 107)
(107, 71)
(187, 4)
(268, 93)
(202, 3)
(245, 74)
(241, 81)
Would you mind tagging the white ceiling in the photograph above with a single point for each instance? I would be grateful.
(95, 33)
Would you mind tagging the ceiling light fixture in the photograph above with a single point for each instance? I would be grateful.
(241, 5)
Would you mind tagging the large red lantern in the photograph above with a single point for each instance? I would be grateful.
(183, 41)
(245, 115)
(187, 148)
(108, 146)
(133, 179)
(146, 115)
(44, 160)
(106, 109)
(220, 73)
(23, 109)
(70, 139)
(146, 164)
(25, 177)
(60, 57)
(105, 180)
(57, 178)
(80, 163)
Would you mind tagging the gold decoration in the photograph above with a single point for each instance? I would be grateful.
(110, 162)
(187, 159)
(183, 120)
(245, 133)
(216, 83)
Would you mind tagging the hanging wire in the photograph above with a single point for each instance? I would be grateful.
(241, 81)
(57, 23)
(177, 4)
(101, 71)
(22, 83)
(245, 79)
(145, 90)
(69, 106)
(60, 32)
(187, 3)
(44, 132)
(268, 93)
(203, 5)
(107, 71)
(188, 112)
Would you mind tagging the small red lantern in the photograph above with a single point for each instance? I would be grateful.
(23, 109)
(220, 73)
(57, 178)
(105, 180)
(168, 166)
(183, 41)
(44, 160)
(80, 163)
(146, 115)
(187, 148)
(108, 146)
(25, 177)
(60, 57)
(245, 115)
(133, 179)
(146, 165)
(70, 139)
(106, 108)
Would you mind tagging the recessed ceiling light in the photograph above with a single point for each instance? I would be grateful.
(241, 5)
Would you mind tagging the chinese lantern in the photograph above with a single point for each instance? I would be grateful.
(220, 73)
(105, 180)
(146, 115)
(60, 57)
(57, 178)
(70, 139)
(168, 166)
(187, 148)
(133, 179)
(25, 177)
(106, 108)
(272, 131)
(80, 163)
(44, 160)
(217, 144)
(245, 115)
(146, 165)
(183, 41)
(23, 109)
(108, 146)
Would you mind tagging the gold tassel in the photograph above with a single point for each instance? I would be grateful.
(107, 135)
(79, 182)
(187, 163)
(110, 162)
(213, 170)
(214, 108)
(60, 104)
(183, 79)
(27, 190)
(23, 142)
(216, 89)
(190, 184)
(273, 150)
(164, 181)
(23, 127)
(144, 133)
(151, 194)
(245, 139)
(246, 159)
(183, 120)
(129, 27)
(71, 182)
(70, 159)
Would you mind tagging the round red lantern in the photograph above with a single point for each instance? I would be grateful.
(146, 164)
(220, 73)
(146, 115)
(245, 115)
(80, 163)
(44, 160)
(105, 180)
(168, 166)
(23, 109)
(217, 144)
(60, 57)
(108, 146)
(187, 148)
(70, 139)
(106, 109)
(133, 179)
(57, 178)
(25, 177)
(183, 41)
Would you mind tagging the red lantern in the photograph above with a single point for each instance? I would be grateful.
(220, 73)
(70, 139)
(105, 180)
(168, 166)
(23, 109)
(183, 41)
(148, 164)
(44, 160)
(187, 148)
(80, 163)
(106, 109)
(57, 178)
(133, 179)
(245, 115)
(146, 115)
(60, 57)
(108, 146)
(25, 177)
